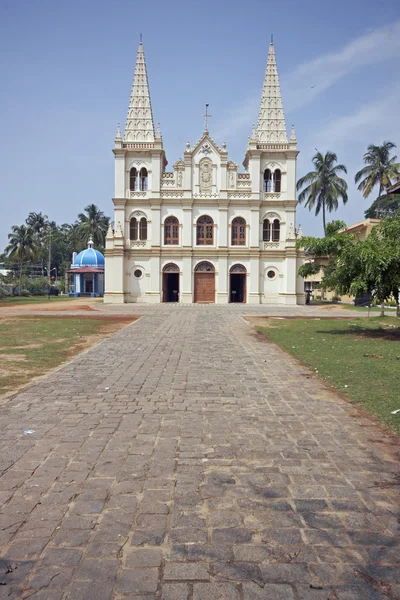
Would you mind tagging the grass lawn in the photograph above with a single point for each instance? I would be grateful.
(360, 357)
(32, 346)
(17, 300)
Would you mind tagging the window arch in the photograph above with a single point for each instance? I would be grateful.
(143, 179)
(277, 180)
(133, 229)
(143, 229)
(205, 231)
(133, 179)
(204, 266)
(238, 232)
(276, 227)
(267, 180)
(266, 230)
(171, 231)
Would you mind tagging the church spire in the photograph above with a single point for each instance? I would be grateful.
(271, 120)
(139, 123)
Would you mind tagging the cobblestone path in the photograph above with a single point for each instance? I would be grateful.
(185, 458)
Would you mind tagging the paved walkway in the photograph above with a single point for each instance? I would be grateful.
(186, 459)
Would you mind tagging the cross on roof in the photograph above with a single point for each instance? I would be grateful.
(206, 117)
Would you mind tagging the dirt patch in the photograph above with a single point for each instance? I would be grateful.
(84, 304)
(13, 357)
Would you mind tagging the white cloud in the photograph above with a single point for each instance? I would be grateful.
(323, 72)
(376, 118)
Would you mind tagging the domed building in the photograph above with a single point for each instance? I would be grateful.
(88, 270)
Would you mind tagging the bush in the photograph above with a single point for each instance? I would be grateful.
(38, 287)
(4, 293)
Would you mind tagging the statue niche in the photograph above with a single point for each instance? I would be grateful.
(206, 176)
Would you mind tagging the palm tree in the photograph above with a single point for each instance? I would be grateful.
(21, 247)
(39, 223)
(381, 169)
(93, 224)
(323, 186)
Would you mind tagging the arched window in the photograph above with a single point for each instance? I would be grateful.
(133, 229)
(238, 232)
(205, 231)
(266, 230)
(277, 180)
(143, 177)
(276, 226)
(171, 231)
(204, 267)
(133, 179)
(267, 181)
(143, 229)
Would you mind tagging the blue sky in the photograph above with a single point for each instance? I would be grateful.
(67, 68)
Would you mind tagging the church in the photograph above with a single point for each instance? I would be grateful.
(205, 231)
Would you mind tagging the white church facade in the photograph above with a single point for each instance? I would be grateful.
(204, 232)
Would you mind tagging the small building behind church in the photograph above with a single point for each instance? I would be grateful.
(87, 269)
(204, 231)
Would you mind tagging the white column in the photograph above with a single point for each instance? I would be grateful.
(222, 281)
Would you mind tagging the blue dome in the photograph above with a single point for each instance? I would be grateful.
(89, 258)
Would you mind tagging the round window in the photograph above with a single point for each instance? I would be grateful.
(271, 274)
(138, 273)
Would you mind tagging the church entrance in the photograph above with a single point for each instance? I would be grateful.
(237, 283)
(204, 282)
(171, 283)
(88, 286)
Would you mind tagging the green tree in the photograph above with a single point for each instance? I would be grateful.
(389, 205)
(380, 169)
(94, 225)
(322, 188)
(21, 247)
(355, 267)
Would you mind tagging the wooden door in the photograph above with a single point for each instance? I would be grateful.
(204, 287)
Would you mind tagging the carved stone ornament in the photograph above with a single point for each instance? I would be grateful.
(206, 148)
(205, 176)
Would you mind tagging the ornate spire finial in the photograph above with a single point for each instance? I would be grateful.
(140, 38)
(253, 136)
(206, 117)
(271, 126)
(293, 136)
(158, 131)
(118, 134)
(139, 123)
(272, 38)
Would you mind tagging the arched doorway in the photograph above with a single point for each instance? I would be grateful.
(204, 282)
(171, 283)
(237, 283)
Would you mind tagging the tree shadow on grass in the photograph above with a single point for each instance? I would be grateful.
(390, 333)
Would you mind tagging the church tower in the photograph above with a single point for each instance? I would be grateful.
(139, 164)
(271, 162)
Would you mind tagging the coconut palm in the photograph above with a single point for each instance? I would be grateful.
(323, 187)
(93, 224)
(21, 247)
(380, 169)
(39, 223)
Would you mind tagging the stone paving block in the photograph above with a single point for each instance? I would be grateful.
(270, 591)
(89, 591)
(175, 591)
(144, 558)
(186, 571)
(136, 581)
(215, 591)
